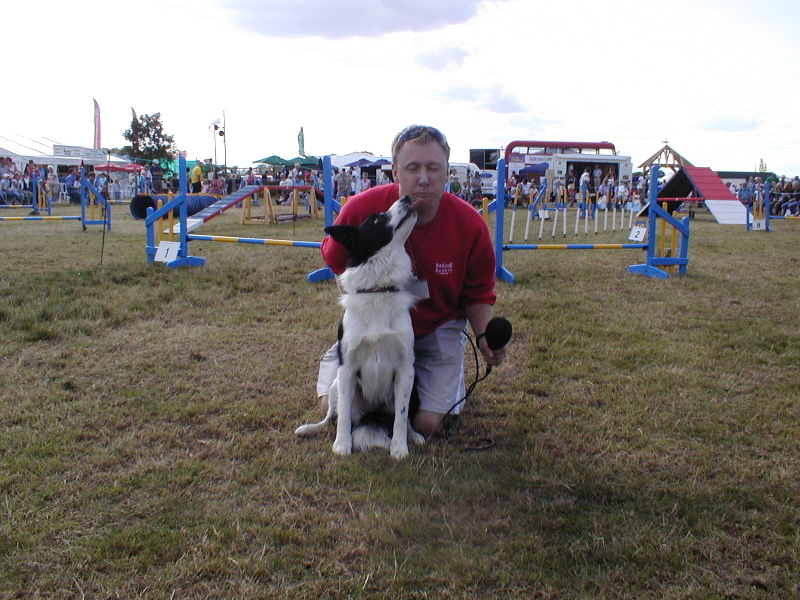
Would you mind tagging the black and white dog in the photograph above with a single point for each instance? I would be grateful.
(376, 340)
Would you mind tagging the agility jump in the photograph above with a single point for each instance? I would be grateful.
(175, 253)
(660, 261)
(556, 210)
(91, 198)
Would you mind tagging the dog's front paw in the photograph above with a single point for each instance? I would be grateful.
(398, 450)
(415, 437)
(343, 448)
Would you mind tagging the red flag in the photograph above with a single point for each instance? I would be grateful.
(135, 140)
(96, 124)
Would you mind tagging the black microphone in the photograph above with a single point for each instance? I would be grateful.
(498, 334)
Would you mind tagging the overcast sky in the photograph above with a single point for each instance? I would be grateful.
(719, 79)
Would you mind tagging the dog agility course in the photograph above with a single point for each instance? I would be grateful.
(647, 430)
(665, 250)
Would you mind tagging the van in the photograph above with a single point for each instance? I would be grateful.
(465, 171)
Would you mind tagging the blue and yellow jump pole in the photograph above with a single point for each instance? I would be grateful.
(154, 224)
(654, 261)
(43, 202)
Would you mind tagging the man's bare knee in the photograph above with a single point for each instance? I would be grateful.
(427, 422)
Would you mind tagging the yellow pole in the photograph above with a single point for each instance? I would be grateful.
(674, 241)
(312, 198)
(246, 215)
(171, 220)
(159, 225)
(661, 233)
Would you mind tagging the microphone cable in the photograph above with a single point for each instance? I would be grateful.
(482, 443)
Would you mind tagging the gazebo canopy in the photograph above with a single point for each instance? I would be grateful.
(304, 161)
(273, 160)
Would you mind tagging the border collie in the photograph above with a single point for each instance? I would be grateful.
(376, 340)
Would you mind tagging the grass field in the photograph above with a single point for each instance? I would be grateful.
(647, 432)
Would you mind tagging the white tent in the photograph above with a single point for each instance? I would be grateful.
(44, 151)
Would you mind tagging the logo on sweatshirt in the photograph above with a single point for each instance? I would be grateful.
(444, 268)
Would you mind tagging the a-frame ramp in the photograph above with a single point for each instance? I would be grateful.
(219, 207)
(705, 186)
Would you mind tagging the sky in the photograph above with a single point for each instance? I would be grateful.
(718, 79)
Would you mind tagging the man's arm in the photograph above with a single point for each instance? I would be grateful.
(478, 316)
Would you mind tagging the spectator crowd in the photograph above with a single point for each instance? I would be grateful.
(780, 195)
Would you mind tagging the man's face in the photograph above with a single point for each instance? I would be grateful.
(421, 171)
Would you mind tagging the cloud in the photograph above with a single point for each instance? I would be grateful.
(729, 123)
(438, 59)
(340, 19)
(493, 98)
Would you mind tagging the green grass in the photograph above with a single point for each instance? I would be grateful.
(647, 432)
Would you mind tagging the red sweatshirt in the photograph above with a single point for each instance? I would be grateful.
(453, 254)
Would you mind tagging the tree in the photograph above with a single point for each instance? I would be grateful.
(148, 140)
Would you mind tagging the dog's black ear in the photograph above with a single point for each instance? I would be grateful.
(344, 234)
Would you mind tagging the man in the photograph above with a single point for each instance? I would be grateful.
(453, 257)
(157, 174)
(197, 178)
(475, 185)
(72, 185)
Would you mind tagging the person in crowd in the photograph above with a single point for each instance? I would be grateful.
(248, 179)
(216, 185)
(116, 190)
(101, 183)
(583, 186)
(197, 178)
(12, 196)
(571, 185)
(365, 182)
(790, 200)
(157, 176)
(453, 257)
(286, 194)
(597, 178)
(73, 186)
(147, 179)
(455, 186)
(475, 185)
(610, 180)
(343, 191)
(744, 193)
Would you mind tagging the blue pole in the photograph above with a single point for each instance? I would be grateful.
(330, 203)
(500, 201)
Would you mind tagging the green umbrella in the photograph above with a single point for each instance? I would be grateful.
(307, 161)
(273, 160)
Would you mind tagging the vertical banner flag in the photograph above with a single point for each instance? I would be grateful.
(134, 129)
(301, 143)
(96, 124)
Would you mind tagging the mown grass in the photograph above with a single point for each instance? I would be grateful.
(646, 431)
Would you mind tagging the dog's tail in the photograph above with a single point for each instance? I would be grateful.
(370, 435)
(311, 429)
